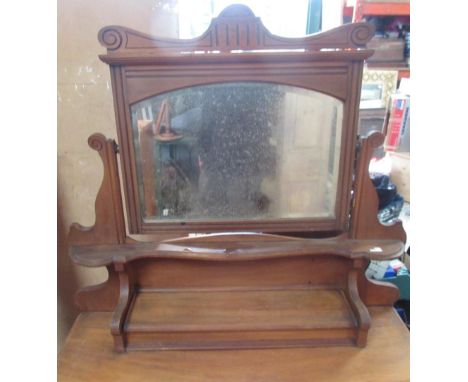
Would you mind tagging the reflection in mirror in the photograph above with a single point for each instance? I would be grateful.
(241, 150)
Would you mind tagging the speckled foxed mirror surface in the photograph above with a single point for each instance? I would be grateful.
(237, 151)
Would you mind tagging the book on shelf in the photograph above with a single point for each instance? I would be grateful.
(398, 122)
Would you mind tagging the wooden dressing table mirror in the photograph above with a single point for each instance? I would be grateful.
(250, 217)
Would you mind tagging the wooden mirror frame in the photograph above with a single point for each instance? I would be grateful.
(237, 47)
(286, 270)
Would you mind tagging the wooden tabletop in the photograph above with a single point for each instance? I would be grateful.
(88, 355)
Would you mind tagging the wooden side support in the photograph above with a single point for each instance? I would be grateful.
(109, 227)
(365, 224)
(358, 307)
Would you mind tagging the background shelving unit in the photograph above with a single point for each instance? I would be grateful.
(367, 8)
(382, 8)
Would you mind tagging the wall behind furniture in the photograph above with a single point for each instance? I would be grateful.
(85, 106)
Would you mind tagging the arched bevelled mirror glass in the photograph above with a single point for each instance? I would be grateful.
(237, 151)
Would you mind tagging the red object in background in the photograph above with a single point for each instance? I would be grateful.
(348, 11)
(396, 122)
(364, 8)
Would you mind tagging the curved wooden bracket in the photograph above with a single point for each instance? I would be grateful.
(102, 297)
(358, 307)
(375, 293)
(364, 221)
(120, 313)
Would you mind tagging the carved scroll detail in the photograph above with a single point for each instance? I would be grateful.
(112, 38)
(361, 34)
(236, 27)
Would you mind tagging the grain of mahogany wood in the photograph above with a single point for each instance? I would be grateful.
(88, 356)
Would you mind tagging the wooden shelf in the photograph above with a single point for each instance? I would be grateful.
(383, 8)
(88, 356)
(219, 319)
(219, 247)
(240, 290)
